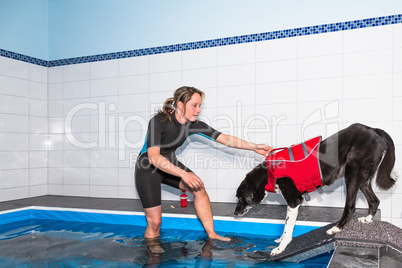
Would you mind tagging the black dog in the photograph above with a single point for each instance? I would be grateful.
(358, 153)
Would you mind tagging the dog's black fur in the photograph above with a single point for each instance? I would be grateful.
(358, 153)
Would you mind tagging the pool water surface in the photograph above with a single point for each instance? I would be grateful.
(57, 243)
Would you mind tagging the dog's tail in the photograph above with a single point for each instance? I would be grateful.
(386, 176)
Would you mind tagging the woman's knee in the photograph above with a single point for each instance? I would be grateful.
(154, 216)
(200, 193)
(155, 222)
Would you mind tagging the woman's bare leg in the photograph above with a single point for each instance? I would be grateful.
(154, 221)
(203, 210)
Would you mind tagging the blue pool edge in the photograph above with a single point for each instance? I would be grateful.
(237, 225)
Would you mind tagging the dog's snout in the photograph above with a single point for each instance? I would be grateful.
(238, 208)
(236, 212)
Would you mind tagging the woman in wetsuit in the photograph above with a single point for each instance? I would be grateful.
(157, 162)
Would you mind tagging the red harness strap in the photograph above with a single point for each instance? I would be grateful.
(299, 162)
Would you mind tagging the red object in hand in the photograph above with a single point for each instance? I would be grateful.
(183, 199)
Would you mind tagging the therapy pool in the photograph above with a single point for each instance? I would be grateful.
(44, 237)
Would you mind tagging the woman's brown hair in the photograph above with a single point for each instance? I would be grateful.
(182, 94)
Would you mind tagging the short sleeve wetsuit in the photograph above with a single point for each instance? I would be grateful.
(168, 136)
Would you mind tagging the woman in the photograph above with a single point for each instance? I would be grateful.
(157, 163)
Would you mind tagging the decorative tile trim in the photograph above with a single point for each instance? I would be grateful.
(20, 57)
(310, 30)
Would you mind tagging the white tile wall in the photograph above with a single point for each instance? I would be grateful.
(200, 58)
(76, 72)
(268, 50)
(236, 54)
(159, 82)
(23, 130)
(167, 62)
(14, 68)
(274, 93)
(133, 66)
(398, 35)
(326, 89)
(103, 69)
(368, 86)
(276, 71)
(205, 78)
(14, 86)
(243, 74)
(320, 67)
(277, 92)
(320, 45)
(368, 63)
(367, 110)
(76, 89)
(133, 83)
(397, 60)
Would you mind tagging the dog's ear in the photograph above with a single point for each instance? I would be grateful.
(260, 193)
(248, 195)
(241, 188)
(249, 198)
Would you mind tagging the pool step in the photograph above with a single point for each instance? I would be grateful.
(378, 244)
(371, 256)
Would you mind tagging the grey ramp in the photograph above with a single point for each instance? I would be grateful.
(302, 247)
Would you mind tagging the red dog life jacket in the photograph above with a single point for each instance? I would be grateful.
(299, 162)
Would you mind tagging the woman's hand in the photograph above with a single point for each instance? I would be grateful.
(262, 149)
(235, 142)
(192, 181)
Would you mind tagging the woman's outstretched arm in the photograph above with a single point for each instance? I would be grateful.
(238, 143)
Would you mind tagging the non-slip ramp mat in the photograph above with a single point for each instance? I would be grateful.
(377, 232)
(302, 247)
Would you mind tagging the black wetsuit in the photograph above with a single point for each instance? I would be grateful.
(168, 136)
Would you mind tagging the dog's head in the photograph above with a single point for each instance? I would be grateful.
(251, 191)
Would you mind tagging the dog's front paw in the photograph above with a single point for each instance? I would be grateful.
(282, 246)
(367, 219)
(277, 251)
(333, 230)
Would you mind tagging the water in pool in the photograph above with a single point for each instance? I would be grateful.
(51, 243)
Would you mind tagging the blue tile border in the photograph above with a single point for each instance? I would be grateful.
(20, 57)
(310, 30)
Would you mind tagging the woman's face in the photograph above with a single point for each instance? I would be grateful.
(193, 107)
